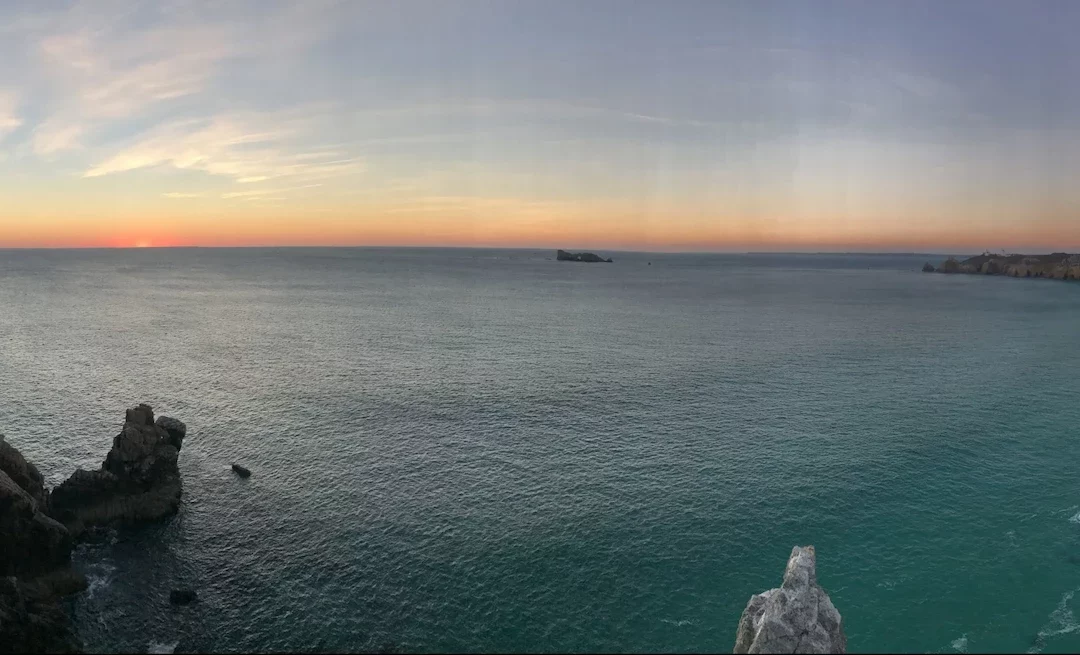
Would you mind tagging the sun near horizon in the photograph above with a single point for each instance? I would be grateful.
(704, 126)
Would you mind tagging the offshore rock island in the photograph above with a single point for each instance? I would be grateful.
(138, 481)
(563, 256)
(1055, 266)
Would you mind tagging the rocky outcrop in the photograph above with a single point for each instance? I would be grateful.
(138, 481)
(797, 617)
(1055, 266)
(35, 563)
(563, 256)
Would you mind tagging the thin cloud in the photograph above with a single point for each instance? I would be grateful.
(246, 148)
(55, 136)
(9, 120)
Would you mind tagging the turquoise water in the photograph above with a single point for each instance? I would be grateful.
(488, 450)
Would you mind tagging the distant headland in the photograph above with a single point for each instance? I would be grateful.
(1056, 266)
(564, 256)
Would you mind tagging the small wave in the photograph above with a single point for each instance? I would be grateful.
(679, 622)
(1062, 622)
(99, 577)
(161, 647)
(1075, 518)
(960, 645)
(95, 582)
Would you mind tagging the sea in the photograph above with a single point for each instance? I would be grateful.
(490, 450)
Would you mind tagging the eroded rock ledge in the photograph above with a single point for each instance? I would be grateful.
(796, 617)
(139, 480)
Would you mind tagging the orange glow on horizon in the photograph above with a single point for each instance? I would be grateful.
(587, 225)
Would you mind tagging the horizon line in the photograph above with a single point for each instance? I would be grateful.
(524, 248)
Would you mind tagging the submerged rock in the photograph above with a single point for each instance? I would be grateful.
(182, 596)
(797, 617)
(241, 471)
(139, 479)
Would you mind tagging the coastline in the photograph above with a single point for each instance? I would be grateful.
(1055, 266)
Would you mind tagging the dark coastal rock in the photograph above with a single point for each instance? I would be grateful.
(35, 564)
(589, 257)
(183, 596)
(138, 481)
(175, 429)
(34, 621)
(950, 265)
(241, 471)
(22, 472)
(31, 542)
(797, 617)
(927, 268)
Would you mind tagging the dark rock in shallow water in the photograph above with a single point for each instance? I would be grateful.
(927, 268)
(139, 479)
(183, 596)
(564, 256)
(241, 471)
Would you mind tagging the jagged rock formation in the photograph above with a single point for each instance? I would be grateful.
(563, 256)
(35, 563)
(797, 617)
(138, 481)
(1056, 266)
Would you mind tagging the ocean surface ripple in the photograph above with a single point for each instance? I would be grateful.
(484, 450)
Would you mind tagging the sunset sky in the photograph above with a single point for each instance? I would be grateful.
(886, 125)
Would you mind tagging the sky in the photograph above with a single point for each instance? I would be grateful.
(703, 126)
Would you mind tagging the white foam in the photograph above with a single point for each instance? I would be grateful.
(99, 577)
(1062, 622)
(1075, 518)
(161, 647)
(960, 645)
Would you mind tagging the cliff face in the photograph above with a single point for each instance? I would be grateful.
(1055, 266)
(139, 480)
(797, 617)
